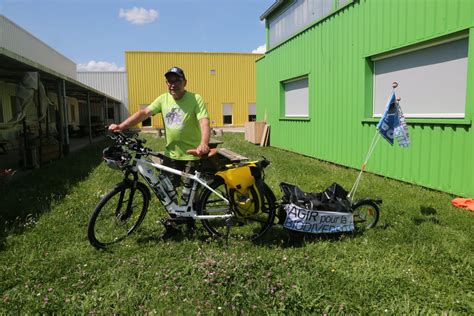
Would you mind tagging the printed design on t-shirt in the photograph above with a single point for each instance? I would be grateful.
(174, 118)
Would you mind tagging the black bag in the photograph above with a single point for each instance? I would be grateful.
(333, 199)
(293, 194)
(334, 192)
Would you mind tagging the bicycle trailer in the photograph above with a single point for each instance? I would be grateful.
(329, 211)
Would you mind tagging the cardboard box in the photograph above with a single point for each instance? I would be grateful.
(253, 131)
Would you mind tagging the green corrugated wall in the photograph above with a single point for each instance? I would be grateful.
(334, 53)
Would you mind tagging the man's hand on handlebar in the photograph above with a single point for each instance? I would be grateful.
(114, 128)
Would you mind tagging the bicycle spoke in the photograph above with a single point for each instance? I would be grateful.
(366, 214)
(113, 219)
(251, 219)
(217, 200)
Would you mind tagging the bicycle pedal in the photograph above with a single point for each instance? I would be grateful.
(162, 221)
(167, 223)
(169, 232)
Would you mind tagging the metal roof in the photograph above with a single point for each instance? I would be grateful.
(270, 10)
(19, 41)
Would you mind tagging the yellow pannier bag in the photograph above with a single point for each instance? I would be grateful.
(243, 192)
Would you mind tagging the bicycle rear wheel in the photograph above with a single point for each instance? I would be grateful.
(366, 214)
(118, 214)
(245, 226)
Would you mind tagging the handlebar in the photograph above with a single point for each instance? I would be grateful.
(132, 143)
(136, 144)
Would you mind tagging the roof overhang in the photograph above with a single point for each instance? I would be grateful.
(273, 8)
(14, 66)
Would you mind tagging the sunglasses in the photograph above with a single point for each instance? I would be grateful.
(176, 81)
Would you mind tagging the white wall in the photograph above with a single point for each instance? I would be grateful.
(110, 83)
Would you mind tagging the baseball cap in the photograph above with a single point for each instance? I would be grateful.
(175, 70)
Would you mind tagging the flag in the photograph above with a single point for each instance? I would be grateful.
(390, 119)
(393, 124)
(401, 132)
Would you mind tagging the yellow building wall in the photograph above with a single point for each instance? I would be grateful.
(220, 78)
(7, 90)
(7, 131)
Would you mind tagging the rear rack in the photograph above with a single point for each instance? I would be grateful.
(232, 156)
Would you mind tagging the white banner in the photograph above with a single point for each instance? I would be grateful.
(317, 222)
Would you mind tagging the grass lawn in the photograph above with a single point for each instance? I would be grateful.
(419, 258)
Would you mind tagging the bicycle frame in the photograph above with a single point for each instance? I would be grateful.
(219, 205)
(140, 165)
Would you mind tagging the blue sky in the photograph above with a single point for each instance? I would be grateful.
(96, 33)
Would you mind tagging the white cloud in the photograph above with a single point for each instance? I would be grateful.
(260, 50)
(99, 66)
(138, 15)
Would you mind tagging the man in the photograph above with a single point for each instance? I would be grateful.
(186, 123)
(185, 118)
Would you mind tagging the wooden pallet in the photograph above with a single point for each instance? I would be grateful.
(265, 136)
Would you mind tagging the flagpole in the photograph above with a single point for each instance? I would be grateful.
(375, 140)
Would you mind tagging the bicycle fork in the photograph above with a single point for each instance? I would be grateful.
(123, 216)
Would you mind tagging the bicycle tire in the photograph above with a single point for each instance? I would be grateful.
(116, 216)
(249, 227)
(366, 214)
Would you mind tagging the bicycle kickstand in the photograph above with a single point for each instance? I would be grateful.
(229, 223)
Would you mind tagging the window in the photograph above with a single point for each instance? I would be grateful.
(296, 97)
(227, 113)
(147, 122)
(1, 111)
(298, 15)
(73, 113)
(432, 81)
(252, 112)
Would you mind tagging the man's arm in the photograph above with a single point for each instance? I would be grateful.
(131, 121)
(203, 147)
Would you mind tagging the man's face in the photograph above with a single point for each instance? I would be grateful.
(176, 85)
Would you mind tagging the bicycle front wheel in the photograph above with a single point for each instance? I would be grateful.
(366, 214)
(118, 214)
(242, 225)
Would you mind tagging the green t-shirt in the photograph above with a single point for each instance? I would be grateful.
(181, 119)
